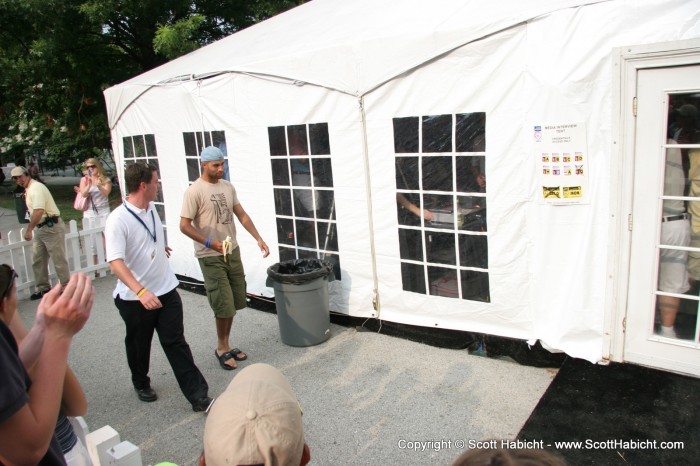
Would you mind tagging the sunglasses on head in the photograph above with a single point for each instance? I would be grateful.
(10, 280)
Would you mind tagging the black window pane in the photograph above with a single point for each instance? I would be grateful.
(306, 254)
(437, 173)
(156, 164)
(283, 202)
(334, 259)
(475, 286)
(285, 231)
(161, 211)
(192, 169)
(190, 144)
(406, 206)
(200, 143)
(406, 135)
(470, 203)
(323, 173)
(327, 236)
(471, 132)
(411, 244)
(301, 172)
(320, 144)
(159, 193)
(437, 133)
(473, 251)
(413, 277)
(469, 168)
(475, 219)
(407, 173)
(325, 205)
(442, 209)
(304, 203)
(280, 172)
(440, 247)
(443, 282)
(139, 147)
(278, 142)
(128, 148)
(218, 139)
(287, 254)
(298, 144)
(306, 233)
(151, 145)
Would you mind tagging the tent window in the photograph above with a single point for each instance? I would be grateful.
(194, 143)
(142, 149)
(302, 177)
(440, 163)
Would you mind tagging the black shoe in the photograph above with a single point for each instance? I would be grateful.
(146, 394)
(202, 404)
(37, 295)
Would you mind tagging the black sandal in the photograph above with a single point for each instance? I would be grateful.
(236, 354)
(223, 358)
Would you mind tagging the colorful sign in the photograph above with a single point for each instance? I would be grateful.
(561, 153)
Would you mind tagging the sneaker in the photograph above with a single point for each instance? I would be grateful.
(37, 295)
(202, 404)
(146, 394)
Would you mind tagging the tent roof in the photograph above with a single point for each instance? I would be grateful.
(349, 46)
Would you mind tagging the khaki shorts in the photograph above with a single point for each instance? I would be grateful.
(224, 281)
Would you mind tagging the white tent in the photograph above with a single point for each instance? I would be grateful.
(406, 100)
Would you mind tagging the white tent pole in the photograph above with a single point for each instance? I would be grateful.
(370, 215)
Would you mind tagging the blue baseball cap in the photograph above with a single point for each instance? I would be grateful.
(212, 153)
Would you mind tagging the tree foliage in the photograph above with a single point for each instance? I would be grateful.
(57, 56)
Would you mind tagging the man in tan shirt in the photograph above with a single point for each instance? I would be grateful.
(207, 217)
(50, 236)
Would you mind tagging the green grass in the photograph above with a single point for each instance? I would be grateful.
(62, 194)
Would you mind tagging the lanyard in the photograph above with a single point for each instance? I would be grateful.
(153, 235)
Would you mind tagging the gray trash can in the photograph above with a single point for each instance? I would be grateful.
(301, 299)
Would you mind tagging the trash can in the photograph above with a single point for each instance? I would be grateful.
(20, 205)
(301, 299)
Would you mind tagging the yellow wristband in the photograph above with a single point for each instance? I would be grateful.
(141, 292)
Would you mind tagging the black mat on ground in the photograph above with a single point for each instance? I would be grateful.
(609, 408)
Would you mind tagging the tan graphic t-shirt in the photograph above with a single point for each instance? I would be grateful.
(210, 207)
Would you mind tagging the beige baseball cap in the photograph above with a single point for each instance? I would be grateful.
(18, 171)
(257, 420)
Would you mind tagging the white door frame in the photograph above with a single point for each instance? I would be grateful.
(626, 63)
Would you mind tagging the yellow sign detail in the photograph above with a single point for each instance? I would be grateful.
(573, 191)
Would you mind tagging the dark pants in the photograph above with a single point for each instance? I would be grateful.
(167, 321)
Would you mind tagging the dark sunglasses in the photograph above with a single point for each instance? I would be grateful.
(89, 166)
(10, 281)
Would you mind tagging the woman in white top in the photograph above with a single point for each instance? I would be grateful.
(97, 186)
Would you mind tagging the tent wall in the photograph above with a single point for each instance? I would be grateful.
(547, 264)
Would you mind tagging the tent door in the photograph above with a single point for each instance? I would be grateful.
(662, 329)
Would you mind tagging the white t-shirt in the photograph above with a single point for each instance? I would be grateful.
(131, 240)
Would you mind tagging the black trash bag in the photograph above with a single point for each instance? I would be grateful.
(300, 271)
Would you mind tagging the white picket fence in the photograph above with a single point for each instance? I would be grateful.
(17, 252)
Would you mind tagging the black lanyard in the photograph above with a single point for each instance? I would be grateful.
(153, 235)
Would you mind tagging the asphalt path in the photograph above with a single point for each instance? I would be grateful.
(367, 398)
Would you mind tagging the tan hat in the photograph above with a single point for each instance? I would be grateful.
(18, 171)
(256, 420)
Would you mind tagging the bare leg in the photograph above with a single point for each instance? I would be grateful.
(223, 331)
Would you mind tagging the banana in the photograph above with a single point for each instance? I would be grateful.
(227, 246)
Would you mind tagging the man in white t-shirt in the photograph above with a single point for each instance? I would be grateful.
(207, 217)
(146, 292)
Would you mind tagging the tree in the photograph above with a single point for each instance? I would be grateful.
(57, 56)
